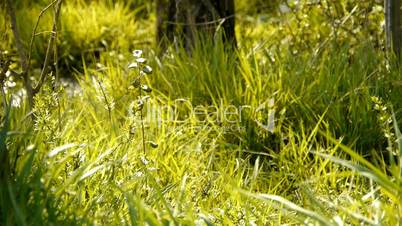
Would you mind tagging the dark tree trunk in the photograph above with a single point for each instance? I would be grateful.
(166, 10)
(393, 25)
(181, 21)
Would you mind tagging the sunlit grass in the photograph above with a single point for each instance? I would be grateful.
(87, 167)
(77, 160)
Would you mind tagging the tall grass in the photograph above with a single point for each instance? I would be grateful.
(76, 159)
(85, 167)
(86, 29)
(303, 86)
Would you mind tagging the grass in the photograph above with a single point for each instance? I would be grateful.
(113, 26)
(89, 168)
(80, 159)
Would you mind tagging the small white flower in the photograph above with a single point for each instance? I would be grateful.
(144, 161)
(16, 101)
(31, 147)
(147, 69)
(141, 60)
(132, 65)
(146, 88)
(137, 53)
(138, 174)
(11, 84)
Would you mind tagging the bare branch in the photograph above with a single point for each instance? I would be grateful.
(21, 51)
(49, 46)
(16, 33)
(34, 31)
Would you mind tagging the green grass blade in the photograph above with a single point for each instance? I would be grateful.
(391, 188)
(382, 177)
(291, 206)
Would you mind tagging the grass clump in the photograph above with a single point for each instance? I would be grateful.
(86, 29)
(112, 27)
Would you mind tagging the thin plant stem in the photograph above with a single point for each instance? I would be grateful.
(109, 109)
(35, 29)
(142, 122)
(21, 52)
(52, 39)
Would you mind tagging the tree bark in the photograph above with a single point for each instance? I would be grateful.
(393, 25)
(165, 13)
(182, 21)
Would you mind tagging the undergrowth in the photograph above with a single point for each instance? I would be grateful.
(258, 136)
(80, 163)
